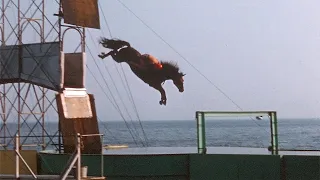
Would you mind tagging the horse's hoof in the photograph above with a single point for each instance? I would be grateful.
(163, 102)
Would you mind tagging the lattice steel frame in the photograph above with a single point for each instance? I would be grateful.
(21, 105)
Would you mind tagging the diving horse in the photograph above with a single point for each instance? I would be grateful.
(145, 66)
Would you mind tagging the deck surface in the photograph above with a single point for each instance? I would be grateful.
(47, 177)
(210, 150)
(193, 150)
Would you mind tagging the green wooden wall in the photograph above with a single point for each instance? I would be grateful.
(172, 167)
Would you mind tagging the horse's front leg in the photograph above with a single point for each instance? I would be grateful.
(163, 95)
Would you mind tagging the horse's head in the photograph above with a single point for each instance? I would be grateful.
(178, 81)
(172, 72)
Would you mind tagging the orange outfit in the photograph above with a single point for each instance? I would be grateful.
(152, 60)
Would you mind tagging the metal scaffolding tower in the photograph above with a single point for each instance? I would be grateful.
(34, 65)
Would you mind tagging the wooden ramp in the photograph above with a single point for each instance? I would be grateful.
(77, 114)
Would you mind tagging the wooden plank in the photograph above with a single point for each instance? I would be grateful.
(83, 13)
(69, 127)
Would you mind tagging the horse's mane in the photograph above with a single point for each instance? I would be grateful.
(171, 66)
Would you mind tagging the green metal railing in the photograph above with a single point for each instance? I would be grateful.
(201, 132)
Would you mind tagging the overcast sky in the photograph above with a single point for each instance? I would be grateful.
(264, 55)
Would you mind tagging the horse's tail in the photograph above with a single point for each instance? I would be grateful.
(113, 43)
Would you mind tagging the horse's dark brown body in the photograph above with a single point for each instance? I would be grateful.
(123, 52)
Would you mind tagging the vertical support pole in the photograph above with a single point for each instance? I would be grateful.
(4, 90)
(19, 67)
(43, 90)
(274, 133)
(59, 137)
(3, 24)
(4, 115)
(201, 133)
(42, 118)
(3, 101)
(3, 97)
(43, 19)
(60, 60)
(79, 156)
(83, 42)
(17, 157)
(102, 161)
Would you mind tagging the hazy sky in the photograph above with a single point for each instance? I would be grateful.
(262, 54)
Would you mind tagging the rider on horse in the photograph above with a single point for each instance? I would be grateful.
(151, 60)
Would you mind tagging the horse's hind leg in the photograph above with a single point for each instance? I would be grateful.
(104, 55)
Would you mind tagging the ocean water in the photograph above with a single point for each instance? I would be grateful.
(293, 133)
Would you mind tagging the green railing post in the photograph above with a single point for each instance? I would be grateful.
(201, 132)
(274, 133)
